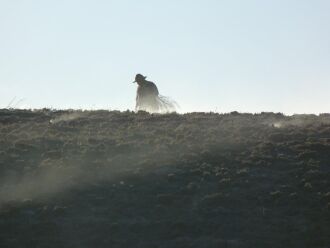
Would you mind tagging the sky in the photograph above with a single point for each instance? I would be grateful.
(207, 55)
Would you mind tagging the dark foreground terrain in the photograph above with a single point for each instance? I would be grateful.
(120, 179)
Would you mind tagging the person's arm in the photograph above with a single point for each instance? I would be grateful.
(137, 100)
(136, 104)
(155, 89)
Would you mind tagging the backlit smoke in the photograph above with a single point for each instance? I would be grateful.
(160, 104)
(167, 105)
(66, 117)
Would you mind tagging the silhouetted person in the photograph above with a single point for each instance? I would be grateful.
(148, 98)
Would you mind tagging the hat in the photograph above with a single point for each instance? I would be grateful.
(139, 77)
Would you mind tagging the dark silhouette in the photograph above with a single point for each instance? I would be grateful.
(148, 98)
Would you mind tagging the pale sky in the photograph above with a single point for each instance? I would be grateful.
(208, 55)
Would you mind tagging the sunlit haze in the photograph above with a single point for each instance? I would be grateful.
(210, 55)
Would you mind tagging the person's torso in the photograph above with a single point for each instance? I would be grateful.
(147, 89)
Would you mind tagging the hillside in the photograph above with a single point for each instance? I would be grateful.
(121, 179)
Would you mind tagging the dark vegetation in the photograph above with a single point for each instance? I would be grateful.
(120, 179)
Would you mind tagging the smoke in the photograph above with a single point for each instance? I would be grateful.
(167, 105)
(54, 176)
(156, 104)
(301, 121)
(66, 117)
(44, 183)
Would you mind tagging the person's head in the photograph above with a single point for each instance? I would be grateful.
(139, 78)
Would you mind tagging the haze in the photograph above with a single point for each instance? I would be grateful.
(248, 56)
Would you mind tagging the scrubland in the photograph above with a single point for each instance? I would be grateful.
(124, 179)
